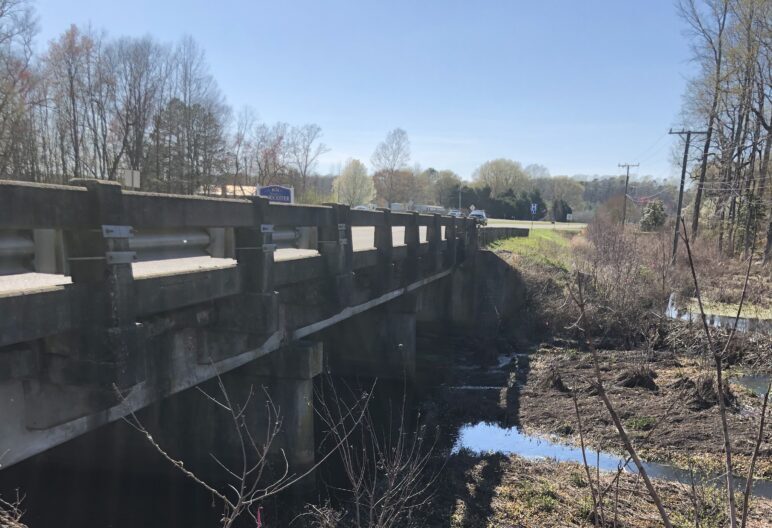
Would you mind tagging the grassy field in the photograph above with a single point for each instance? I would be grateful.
(558, 226)
(541, 246)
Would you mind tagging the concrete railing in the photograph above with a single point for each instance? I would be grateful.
(491, 234)
(110, 249)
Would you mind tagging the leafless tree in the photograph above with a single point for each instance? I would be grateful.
(387, 469)
(390, 157)
(242, 153)
(577, 293)
(249, 484)
(11, 514)
(271, 152)
(305, 148)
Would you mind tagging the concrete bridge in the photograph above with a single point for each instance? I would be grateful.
(154, 294)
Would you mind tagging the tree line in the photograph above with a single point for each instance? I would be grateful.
(90, 106)
(729, 101)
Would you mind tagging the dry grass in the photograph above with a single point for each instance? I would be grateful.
(500, 491)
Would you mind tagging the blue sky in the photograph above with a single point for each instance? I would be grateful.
(576, 85)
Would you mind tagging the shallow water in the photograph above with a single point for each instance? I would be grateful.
(744, 324)
(485, 437)
(758, 383)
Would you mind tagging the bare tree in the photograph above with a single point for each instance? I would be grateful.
(708, 29)
(140, 70)
(387, 469)
(241, 146)
(305, 148)
(17, 30)
(577, 293)
(249, 485)
(390, 157)
(271, 153)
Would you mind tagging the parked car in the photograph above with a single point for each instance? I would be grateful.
(456, 213)
(479, 217)
(361, 208)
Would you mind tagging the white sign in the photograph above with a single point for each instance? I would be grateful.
(569, 217)
(129, 178)
(534, 208)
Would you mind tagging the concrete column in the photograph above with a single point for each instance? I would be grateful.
(336, 249)
(384, 243)
(434, 237)
(450, 236)
(412, 241)
(256, 310)
(288, 377)
(100, 257)
(194, 429)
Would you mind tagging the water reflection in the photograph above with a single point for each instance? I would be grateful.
(491, 438)
(758, 383)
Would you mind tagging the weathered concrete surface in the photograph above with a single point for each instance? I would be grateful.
(156, 328)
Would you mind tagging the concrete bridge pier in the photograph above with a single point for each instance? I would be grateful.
(194, 429)
(379, 343)
(288, 378)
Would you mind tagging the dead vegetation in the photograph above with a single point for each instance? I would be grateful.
(503, 491)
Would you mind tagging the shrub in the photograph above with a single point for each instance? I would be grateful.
(653, 217)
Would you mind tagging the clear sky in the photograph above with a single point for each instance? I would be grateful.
(576, 85)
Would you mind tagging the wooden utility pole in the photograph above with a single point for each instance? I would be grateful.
(627, 181)
(688, 134)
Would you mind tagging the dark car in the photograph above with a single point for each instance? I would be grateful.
(479, 217)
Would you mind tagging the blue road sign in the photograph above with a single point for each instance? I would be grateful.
(277, 193)
(534, 208)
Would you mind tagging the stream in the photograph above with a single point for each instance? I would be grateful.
(485, 437)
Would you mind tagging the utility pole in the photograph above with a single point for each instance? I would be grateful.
(627, 180)
(688, 134)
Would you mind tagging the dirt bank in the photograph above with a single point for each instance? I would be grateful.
(530, 389)
(667, 402)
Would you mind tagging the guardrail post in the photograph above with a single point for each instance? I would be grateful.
(434, 237)
(256, 311)
(450, 236)
(335, 246)
(255, 249)
(413, 242)
(101, 258)
(384, 243)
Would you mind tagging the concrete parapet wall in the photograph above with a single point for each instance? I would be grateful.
(491, 234)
